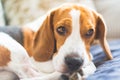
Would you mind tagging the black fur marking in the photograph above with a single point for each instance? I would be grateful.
(14, 32)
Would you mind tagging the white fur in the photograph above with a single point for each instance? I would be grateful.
(43, 67)
(52, 76)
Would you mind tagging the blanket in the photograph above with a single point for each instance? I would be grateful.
(106, 70)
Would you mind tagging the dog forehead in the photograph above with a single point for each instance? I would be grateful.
(63, 12)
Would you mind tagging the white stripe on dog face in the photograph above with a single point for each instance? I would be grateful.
(73, 44)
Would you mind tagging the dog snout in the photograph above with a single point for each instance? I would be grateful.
(73, 62)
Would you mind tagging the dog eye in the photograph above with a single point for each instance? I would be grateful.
(89, 33)
(61, 30)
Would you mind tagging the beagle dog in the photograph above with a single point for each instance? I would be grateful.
(57, 44)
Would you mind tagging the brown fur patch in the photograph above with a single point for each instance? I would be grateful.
(4, 56)
(43, 44)
(28, 38)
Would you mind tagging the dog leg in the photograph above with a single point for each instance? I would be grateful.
(89, 69)
(52, 76)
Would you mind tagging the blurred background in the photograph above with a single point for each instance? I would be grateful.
(20, 12)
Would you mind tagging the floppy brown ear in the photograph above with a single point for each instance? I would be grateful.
(43, 45)
(101, 35)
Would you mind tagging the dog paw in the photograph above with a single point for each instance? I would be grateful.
(64, 77)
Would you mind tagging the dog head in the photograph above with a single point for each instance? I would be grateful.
(65, 36)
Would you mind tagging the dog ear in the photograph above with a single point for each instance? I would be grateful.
(44, 42)
(101, 35)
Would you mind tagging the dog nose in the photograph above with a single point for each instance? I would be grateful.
(73, 63)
